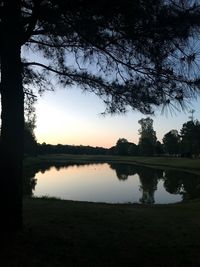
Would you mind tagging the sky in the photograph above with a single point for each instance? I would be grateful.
(69, 116)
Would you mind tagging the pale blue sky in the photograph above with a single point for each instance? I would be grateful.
(69, 116)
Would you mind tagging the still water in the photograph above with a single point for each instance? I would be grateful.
(113, 183)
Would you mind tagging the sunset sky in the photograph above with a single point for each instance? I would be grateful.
(69, 116)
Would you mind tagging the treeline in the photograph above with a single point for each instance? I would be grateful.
(185, 143)
(147, 146)
(70, 149)
(33, 148)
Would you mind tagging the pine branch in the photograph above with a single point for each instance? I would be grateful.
(82, 76)
(32, 21)
(61, 45)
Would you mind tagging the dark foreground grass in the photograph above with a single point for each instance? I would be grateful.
(66, 233)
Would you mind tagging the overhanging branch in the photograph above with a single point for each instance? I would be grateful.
(61, 45)
(33, 21)
(46, 67)
(82, 77)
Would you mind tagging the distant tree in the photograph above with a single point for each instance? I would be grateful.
(132, 149)
(147, 140)
(190, 138)
(30, 143)
(130, 53)
(111, 151)
(122, 146)
(159, 150)
(125, 148)
(171, 142)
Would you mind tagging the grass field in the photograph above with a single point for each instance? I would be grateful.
(67, 233)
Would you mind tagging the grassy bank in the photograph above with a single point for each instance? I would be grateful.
(66, 233)
(192, 165)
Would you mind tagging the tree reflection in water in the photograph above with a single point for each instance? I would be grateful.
(184, 183)
(174, 182)
(29, 181)
(149, 180)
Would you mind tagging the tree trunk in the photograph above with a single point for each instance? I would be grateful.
(12, 116)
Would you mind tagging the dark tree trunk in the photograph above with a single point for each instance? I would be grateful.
(12, 116)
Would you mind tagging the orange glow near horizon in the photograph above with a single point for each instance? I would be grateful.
(71, 118)
(85, 140)
(55, 126)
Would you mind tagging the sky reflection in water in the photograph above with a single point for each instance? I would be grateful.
(116, 183)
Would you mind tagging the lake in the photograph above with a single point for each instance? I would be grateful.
(111, 183)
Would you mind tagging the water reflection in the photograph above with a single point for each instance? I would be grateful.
(188, 185)
(148, 178)
(97, 182)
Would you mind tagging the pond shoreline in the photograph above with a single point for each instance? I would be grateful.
(111, 183)
(75, 233)
(185, 164)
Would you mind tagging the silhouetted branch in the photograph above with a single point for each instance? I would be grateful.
(61, 45)
(39, 32)
(46, 67)
(82, 76)
(32, 21)
(32, 95)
